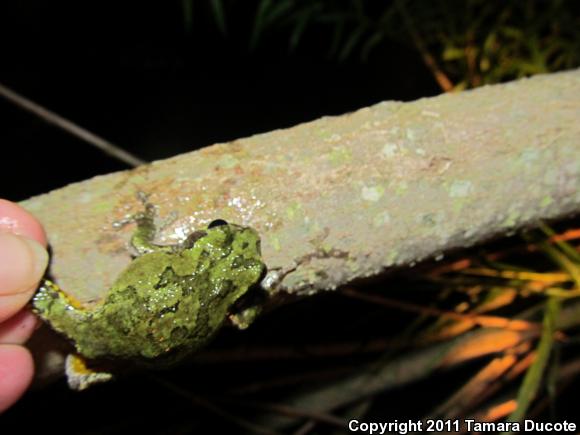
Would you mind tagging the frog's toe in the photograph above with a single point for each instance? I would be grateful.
(80, 376)
(244, 318)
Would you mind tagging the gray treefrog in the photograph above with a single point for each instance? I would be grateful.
(169, 302)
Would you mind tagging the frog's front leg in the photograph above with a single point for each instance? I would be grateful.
(142, 239)
(246, 317)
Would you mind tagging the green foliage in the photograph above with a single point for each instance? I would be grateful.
(473, 42)
(534, 376)
(219, 14)
(491, 42)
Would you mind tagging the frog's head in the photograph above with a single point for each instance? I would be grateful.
(238, 244)
(236, 270)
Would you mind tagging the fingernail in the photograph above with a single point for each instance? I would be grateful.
(22, 263)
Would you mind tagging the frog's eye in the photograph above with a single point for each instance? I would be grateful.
(217, 223)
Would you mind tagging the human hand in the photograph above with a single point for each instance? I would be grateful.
(23, 259)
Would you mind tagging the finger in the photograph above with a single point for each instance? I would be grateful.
(16, 368)
(18, 328)
(22, 264)
(16, 220)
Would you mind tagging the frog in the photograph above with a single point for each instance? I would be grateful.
(167, 304)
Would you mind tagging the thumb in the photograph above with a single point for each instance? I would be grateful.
(22, 264)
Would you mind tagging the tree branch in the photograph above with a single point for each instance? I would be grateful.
(346, 197)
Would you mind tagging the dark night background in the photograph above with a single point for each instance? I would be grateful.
(132, 73)
(158, 82)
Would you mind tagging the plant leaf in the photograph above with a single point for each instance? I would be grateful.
(217, 7)
(534, 375)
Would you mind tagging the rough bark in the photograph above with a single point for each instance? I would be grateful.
(344, 197)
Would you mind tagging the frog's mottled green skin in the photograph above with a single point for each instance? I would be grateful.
(168, 302)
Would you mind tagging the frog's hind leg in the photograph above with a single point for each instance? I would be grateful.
(68, 316)
(63, 312)
(80, 376)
